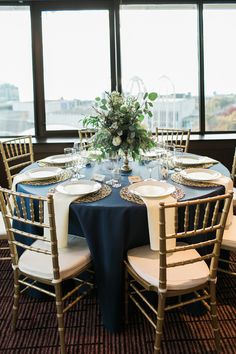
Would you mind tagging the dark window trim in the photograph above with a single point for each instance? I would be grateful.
(113, 6)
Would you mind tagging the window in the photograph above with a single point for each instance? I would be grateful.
(76, 56)
(159, 53)
(220, 59)
(16, 84)
(80, 49)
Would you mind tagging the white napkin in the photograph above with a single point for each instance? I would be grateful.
(228, 184)
(20, 177)
(152, 205)
(206, 159)
(61, 210)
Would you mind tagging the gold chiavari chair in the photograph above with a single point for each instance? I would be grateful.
(182, 269)
(42, 262)
(233, 176)
(85, 136)
(16, 154)
(229, 244)
(3, 237)
(229, 236)
(178, 137)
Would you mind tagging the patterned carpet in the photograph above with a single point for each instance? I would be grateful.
(183, 333)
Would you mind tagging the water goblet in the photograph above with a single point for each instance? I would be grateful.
(70, 154)
(150, 164)
(178, 155)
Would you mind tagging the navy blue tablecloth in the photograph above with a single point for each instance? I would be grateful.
(112, 226)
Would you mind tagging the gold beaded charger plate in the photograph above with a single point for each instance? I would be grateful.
(131, 197)
(59, 178)
(102, 193)
(177, 178)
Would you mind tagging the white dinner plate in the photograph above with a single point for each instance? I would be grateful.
(189, 160)
(152, 153)
(44, 172)
(200, 174)
(58, 159)
(151, 189)
(81, 187)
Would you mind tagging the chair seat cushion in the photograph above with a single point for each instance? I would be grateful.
(229, 236)
(71, 259)
(145, 262)
(3, 234)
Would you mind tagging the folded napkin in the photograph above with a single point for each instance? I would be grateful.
(61, 210)
(21, 177)
(152, 205)
(206, 159)
(228, 184)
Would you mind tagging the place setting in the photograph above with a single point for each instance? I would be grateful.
(83, 190)
(197, 177)
(150, 189)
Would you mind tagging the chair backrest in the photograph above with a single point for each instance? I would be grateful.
(203, 226)
(178, 137)
(85, 136)
(16, 154)
(23, 216)
(233, 171)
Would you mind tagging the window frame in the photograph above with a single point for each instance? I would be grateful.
(113, 6)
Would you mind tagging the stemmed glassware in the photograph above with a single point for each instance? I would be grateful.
(78, 161)
(112, 165)
(150, 162)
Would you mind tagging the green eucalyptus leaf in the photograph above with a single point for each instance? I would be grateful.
(141, 118)
(97, 99)
(152, 96)
(145, 96)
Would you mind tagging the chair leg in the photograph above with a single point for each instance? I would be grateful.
(160, 320)
(16, 298)
(126, 296)
(215, 324)
(60, 317)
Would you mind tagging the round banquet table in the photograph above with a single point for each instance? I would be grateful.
(112, 226)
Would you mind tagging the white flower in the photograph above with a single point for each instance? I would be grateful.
(116, 141)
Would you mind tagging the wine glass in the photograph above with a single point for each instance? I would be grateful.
(178, 156)
(112, 165)
(150, 164)
(80, 161)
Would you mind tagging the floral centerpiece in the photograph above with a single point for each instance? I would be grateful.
(118, 122)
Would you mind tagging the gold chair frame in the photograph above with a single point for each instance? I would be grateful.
(3, 248)
(224, 259)
(233, 171)
(13, 205)
(179, 137)
(210, 224)
(16, 154)
(85, 136)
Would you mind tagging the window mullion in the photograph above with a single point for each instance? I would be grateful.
(37, 55)
(201, 69)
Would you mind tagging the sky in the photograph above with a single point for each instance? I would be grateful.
(153, 43)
